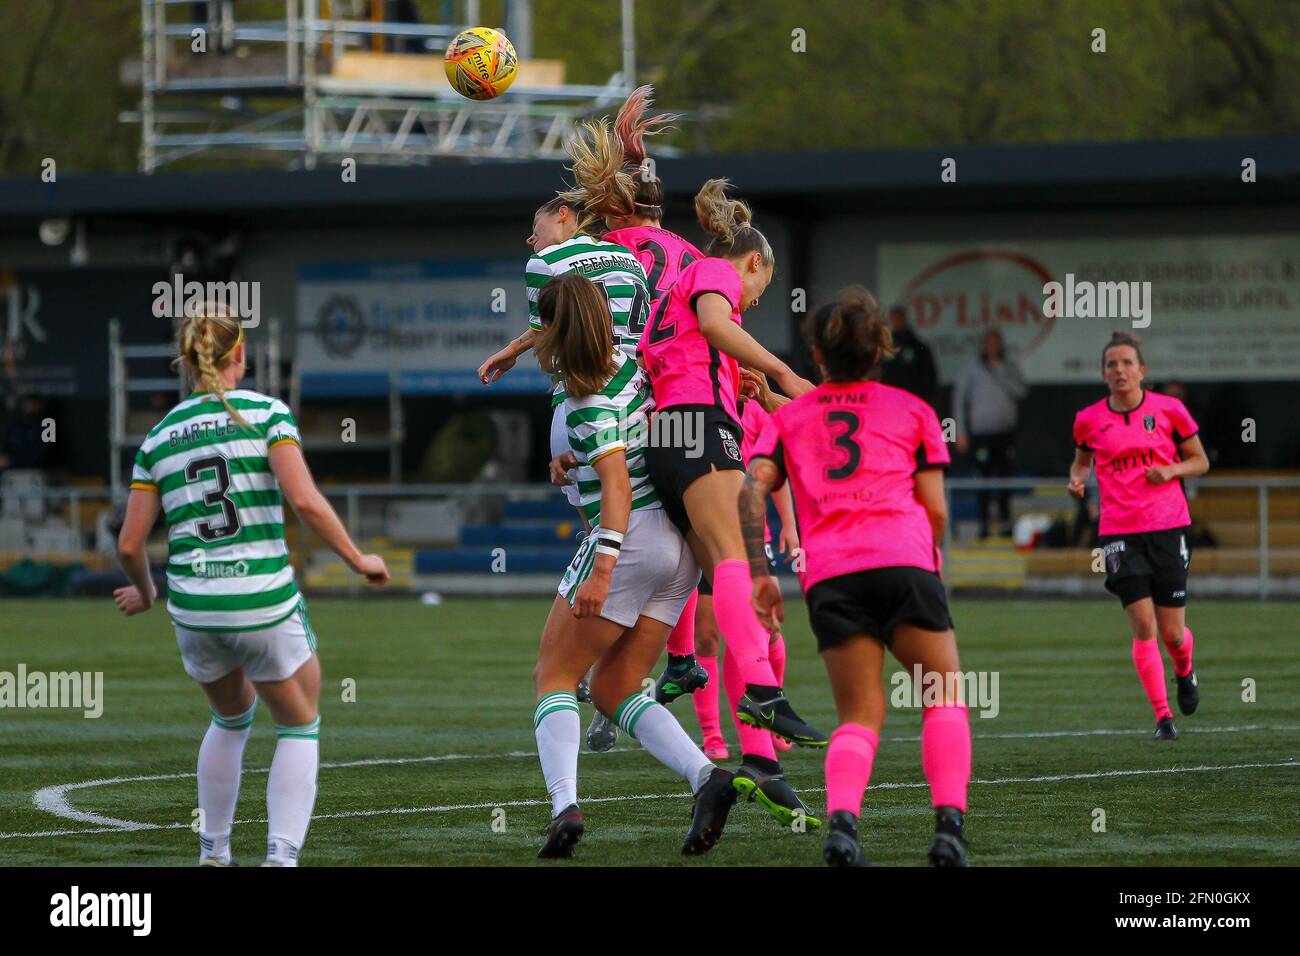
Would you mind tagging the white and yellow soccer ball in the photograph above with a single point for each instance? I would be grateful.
(481, 63)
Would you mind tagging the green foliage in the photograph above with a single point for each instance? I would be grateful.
(60, 95)
(976, 71)
(877, 73)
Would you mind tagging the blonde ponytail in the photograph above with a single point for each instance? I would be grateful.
(728, 221)
(206, 343)
(605, 189)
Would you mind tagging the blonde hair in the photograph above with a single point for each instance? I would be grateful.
(577, 339)
(605, 190)
(205, 344)
(728, 221)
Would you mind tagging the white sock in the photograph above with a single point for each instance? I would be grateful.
(221, 761)
(559, 734)
(291, 790)
(649, 722)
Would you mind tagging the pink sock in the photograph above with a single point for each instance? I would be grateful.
(1151, 672)
(1182, 655)
(945, 754)
(682, 640)
(849, 757)
(706, 700)
(731, 680)
(745, 637)
(752, 740)
(776, 654)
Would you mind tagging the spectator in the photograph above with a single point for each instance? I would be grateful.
(912, 368)
(986, 406)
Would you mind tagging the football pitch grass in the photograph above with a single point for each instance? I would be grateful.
(433, 764)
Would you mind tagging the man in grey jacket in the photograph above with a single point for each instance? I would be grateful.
(986, 405)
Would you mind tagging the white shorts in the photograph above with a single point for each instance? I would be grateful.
(559, 445)
(267, 654)
(654, 575)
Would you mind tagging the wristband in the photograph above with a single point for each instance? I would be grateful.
(609, 542)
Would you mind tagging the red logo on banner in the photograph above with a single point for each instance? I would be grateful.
(1003, 290)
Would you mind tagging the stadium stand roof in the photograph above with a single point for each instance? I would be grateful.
(1132, 173)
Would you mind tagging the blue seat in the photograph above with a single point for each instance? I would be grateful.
(554, 508)
(480, 560)
(562, 534)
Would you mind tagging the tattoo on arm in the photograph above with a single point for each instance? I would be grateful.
(759, 479)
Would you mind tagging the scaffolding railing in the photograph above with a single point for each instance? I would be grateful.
(362, 507)
(289, 105)
(124, 382)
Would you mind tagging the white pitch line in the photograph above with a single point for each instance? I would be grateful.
(446, 808)
(54, 800)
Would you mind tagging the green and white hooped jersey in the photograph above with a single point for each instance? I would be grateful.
(617, 418)
(613, 268)
(228, 564)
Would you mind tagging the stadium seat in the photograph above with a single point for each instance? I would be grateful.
(20, 493)
(563, 535)
(480, 560)
(551, 508)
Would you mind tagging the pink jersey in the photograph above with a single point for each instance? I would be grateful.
(684, 368)
(1124, 445)
(663, 254)
(851, 451)
(753, 419)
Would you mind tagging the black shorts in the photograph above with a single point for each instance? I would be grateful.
(706, 588)
(874, 602)
(1148, 564)
(706, 440)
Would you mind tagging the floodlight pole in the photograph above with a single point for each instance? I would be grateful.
(519, 20)
(629, 45)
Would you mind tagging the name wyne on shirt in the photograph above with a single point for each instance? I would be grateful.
(843, 398)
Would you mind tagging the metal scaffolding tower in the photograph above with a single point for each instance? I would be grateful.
(288, 90)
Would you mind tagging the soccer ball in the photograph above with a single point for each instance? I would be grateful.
(481, 63)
